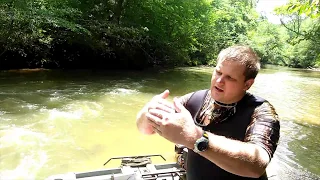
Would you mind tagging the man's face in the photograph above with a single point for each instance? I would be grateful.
(228, 83)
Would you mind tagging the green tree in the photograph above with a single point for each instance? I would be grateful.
(28, 28)
(302, 20)
(126, 34)
(269, 40)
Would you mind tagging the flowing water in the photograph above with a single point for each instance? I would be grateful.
(54, 122)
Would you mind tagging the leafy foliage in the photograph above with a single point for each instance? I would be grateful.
(146, 33)
(302, 21)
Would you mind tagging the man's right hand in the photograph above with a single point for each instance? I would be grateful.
(157, 102)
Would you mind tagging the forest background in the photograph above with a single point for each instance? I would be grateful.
(138, 34)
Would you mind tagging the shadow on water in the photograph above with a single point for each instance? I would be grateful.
(73, 82)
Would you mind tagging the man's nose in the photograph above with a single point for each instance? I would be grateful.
(220, 79)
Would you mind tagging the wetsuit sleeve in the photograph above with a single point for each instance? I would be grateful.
(185, 98)
(264, 129)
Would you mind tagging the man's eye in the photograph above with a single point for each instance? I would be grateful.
(219, 73)
(230, 78)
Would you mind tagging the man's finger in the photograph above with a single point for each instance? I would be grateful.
(164, 94)
(153, 118)
(177, 105)
(158, 113)
(157, 131)
(154, 125)
(169, 106)
(165, 107)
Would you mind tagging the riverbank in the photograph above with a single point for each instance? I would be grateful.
(313, 69)
(30, 70)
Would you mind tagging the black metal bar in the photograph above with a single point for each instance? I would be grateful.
(142, 156)
(165, 172)
(154, 176)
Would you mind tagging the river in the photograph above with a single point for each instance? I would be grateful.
(54, 122)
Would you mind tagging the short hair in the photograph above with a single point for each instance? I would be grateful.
(245, 55)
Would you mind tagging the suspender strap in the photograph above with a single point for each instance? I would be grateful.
(195, 102)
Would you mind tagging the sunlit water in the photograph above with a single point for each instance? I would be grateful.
(54, 122)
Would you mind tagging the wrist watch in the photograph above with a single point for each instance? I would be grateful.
(202, 143)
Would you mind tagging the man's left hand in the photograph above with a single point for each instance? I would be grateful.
(176, 127)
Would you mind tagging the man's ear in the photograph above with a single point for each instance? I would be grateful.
(248, 84)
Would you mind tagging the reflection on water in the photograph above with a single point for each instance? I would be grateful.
(295, 96)
(297, 155)
(55, 122)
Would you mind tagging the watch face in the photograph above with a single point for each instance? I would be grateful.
(203, 145)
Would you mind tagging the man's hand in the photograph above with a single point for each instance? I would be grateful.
(176, 127)
(157, 102)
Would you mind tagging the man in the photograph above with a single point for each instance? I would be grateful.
(233, 135)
